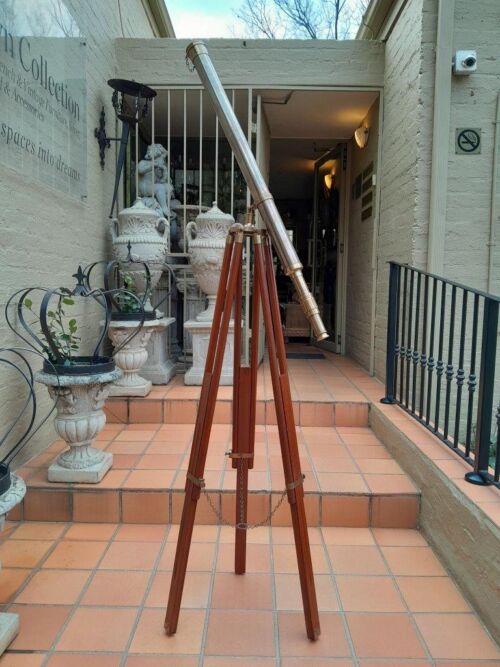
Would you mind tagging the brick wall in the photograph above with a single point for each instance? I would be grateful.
(407, 149)
(473, 104)
(360, 250)
(256, 62)
(400, 158)
(45, 233)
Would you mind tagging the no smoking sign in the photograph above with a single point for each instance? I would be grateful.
(468, 140)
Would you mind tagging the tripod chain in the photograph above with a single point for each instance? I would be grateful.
(241, 525)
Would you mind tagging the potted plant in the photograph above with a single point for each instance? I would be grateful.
(130, 353)
(130, 305)
(78, 383)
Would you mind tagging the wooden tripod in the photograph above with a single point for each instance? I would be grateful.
(244, 404)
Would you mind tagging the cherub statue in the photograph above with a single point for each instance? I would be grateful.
(160, 192)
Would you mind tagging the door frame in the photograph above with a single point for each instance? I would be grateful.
(341, 152)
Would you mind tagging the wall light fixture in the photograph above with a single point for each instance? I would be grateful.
(361, 136)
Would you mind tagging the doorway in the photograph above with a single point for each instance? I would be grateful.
(310, 135)
(328, 243)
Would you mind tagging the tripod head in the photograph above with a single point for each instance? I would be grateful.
(197, 53)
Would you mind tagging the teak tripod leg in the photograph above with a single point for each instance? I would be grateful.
(288, 436)
(240, 430)
(225, 296)
(244, 397)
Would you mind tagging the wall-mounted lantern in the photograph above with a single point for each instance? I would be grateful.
(130, 101)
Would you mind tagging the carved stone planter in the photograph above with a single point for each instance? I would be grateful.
(206, 242)
(183, 216)
(148, 235)
(79, 419)
(9, 623)
(132, 356)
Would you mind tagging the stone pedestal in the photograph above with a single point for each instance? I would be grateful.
(200, 332)
(194, 303)
(79, 419)
(160, 367)
(9, 623)
(132, 356)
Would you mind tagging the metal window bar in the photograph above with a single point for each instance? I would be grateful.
(168, 150)
(184, 167)
(431, 388)
(153, 141)
(137, 154)
(216, 165)
(188, 101)
(232, 161)
(200, 170)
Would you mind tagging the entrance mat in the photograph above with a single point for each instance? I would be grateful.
(305, 355)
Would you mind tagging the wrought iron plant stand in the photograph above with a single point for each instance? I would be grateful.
(245, 376)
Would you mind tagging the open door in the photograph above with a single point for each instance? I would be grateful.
(327, 245)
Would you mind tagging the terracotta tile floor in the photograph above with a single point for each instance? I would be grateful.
(155, 456)
(93, 595)
(313, 380)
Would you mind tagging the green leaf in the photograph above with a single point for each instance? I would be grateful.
(51, 313)
(28, 303)
(68, 301)
(72, 323)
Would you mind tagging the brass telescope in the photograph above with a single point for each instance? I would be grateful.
(197, 53)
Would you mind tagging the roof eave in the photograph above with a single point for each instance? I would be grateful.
(374, 18)
(161, 18)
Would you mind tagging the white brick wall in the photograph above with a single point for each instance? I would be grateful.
(399, 159)
(360, 248)
(473, 104)
(407, 147)
(45, 233)
(257, 62)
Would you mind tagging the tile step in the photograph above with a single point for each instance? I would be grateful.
(138, 506)
(351, 480)
(152, 410)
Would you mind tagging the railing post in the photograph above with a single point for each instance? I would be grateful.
(392, 318)
(485, 397)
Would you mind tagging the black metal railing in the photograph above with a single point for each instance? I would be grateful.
(441, 363)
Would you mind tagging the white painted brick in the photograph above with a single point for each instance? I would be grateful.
(44, 232)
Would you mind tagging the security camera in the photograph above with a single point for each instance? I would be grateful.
(464, 62)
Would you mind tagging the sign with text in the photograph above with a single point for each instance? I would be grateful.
(43, 96)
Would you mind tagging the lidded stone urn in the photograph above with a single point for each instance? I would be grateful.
(148, 234)
(206, 241)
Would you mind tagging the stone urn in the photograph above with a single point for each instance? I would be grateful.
(148, 235)
(183, 216)
(131, 356)
(79, 419)
(9, 623)
(206, 242)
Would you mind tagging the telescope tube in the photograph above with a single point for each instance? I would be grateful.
(197, 53)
